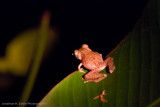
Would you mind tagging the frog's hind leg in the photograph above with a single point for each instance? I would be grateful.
(109, 62)
(99, 78)
(94, 76)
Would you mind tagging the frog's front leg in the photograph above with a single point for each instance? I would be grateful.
(109, 62)
(79, 68)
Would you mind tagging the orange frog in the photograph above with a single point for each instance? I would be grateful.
(94, 62)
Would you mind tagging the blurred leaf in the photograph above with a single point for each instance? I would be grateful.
(135, 81)
(20, 52)
(42, 42)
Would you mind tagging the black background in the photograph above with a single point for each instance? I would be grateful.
(99, 23)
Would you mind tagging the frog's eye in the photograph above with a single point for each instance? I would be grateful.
(84, 46)
(75, 52)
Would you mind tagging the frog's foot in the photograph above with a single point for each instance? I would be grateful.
(112, 69)
(81, 70)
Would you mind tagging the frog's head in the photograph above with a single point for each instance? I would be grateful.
(78, 55)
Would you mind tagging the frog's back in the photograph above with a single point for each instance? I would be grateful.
(92, 60)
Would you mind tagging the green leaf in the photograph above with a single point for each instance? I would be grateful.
(135, 81)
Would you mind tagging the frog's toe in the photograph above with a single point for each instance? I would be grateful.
(85, 81)
(81, 70)
(105, 75)
(110, 71)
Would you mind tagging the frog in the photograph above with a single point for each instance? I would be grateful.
(94, 62)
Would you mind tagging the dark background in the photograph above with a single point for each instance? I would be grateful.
(99, 23)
